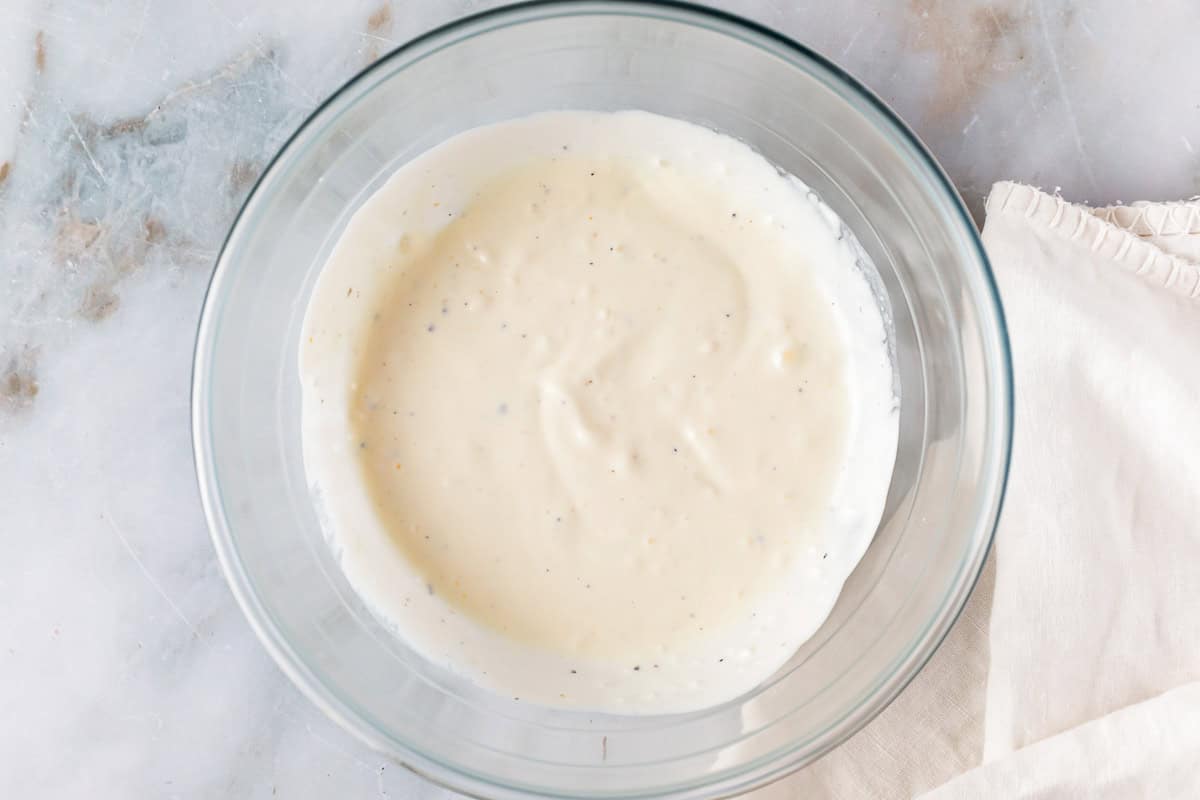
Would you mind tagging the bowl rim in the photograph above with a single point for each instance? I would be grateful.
(781, 761)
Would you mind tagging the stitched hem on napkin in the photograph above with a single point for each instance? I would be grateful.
(1117, 233)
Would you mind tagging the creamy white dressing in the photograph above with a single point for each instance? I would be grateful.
(598, 409)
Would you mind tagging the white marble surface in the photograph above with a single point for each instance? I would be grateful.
(129, 134)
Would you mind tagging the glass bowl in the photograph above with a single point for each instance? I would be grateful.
(810, 119)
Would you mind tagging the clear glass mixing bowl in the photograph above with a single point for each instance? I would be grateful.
(806, 116)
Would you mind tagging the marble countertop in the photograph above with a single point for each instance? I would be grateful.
(130, 132)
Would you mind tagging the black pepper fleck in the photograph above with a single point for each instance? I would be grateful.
(430, 327)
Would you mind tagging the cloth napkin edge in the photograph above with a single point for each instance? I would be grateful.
(1116, 233)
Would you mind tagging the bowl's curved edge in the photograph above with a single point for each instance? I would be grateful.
(770, 768)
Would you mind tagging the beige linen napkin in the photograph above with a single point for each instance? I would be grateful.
(1090, 654)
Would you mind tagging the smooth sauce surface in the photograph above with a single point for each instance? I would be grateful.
(599, 410)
